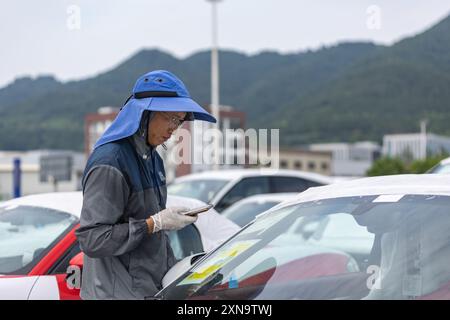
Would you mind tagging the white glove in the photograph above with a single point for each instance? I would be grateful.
(171, 219)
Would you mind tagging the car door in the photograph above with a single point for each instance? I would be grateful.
(184, 242)
(246, 187)
(61, 271)
(56, 265)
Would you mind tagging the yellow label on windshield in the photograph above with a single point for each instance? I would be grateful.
(209, 267)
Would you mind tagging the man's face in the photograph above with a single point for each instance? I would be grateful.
(162, 125)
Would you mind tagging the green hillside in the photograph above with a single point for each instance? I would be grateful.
(388, 92)
(346, 92)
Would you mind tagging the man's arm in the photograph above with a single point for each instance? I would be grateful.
(105, 196)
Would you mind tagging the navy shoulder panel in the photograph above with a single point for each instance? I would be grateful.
(107, 154)
(121, 154)
(111, 154)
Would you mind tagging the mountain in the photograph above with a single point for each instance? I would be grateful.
(346, 92)
(25, 88)
(390, 91)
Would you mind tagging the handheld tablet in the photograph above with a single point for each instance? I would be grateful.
(196, 211)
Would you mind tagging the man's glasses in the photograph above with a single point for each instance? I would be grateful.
(173, 121)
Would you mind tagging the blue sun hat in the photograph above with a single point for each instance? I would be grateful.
(158, 90)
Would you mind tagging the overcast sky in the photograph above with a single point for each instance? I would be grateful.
(74, 39)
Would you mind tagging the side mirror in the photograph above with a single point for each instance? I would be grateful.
(77, 260)
(196, 256)
(181, 267)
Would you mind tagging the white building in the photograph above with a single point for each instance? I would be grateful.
(306, 160)
(414, 145)
(350, 159)
(30, 172)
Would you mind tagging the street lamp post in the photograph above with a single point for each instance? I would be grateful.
(215, 79)
(423, 136)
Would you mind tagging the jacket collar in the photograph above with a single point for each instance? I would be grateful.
(143, 149)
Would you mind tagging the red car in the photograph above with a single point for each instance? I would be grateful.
(39, 250)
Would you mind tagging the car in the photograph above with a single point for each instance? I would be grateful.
(442, 167)
(372, 238)
(245, 210)
(223, 188)
(38, 243)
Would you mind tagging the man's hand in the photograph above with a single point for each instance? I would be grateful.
(169, 219)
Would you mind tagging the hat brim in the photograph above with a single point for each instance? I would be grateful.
(128, 119)
(179, 104)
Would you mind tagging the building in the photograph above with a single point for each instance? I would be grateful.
(96, 124)
(350, 159)
(31, 172)
(232, 124)
(414, 146)
(306, 160)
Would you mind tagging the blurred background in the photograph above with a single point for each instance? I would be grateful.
(356, 88)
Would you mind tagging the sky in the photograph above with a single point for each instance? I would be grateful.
(76, 39)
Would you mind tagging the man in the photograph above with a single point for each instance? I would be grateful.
(124, 216)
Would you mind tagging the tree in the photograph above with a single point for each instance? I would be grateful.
(387, 166)
(422, 166)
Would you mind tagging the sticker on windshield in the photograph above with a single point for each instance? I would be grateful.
(203, 271)
(389, 198)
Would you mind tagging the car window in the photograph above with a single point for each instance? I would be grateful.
(27, 233)
(60, 266)
(242, 214)
(245, 188)
(201, 189)
(185, 242)
(291, 184)
(344, 248)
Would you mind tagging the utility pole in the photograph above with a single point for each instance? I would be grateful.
(215, 79)
(423, 136)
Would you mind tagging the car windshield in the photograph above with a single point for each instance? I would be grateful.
(367, 247)
(243, 213)
(27, 233)
(201, 189)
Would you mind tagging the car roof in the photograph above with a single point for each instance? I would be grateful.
(425, 184)
(173, 200)
(70, 202)
(233, 174)
(279, 197)
(445, 161)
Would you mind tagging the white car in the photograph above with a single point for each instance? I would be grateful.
(245, 210)
(441, 167)
(225, 187)
(38, 243)
(372, 238)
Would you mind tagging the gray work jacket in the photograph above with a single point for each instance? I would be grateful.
(123, 184)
